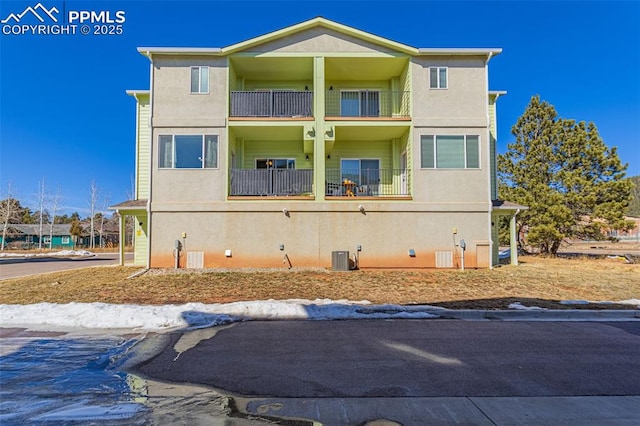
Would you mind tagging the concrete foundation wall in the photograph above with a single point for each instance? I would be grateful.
(309, 236)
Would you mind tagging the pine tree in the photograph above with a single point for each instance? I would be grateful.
(574, 185)
(75, 231)
(634, 206)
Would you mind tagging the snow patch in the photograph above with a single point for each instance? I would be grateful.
(520, 306)
(55, 254)
(199, 315)
(635, 302)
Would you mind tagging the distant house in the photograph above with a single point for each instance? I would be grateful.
(632, 235)
(311, 141)
(28, 236)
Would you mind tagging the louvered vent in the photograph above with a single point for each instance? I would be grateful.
(195, 259)
(444, 259)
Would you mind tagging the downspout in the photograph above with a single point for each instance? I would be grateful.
(488, 157)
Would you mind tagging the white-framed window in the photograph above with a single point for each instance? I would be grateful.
(450, 152)
(199, 79)
(46, 239)
(65, 240)
(438, 77)
(188, 152)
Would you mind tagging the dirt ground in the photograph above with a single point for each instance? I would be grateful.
(536, 281)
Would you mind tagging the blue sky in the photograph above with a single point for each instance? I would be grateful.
(65, 117)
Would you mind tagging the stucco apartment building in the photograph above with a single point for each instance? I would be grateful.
(314, 139)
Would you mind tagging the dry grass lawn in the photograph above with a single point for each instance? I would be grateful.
(539, 281)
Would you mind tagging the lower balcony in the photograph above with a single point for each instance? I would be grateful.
(367, 183)
(271, 182)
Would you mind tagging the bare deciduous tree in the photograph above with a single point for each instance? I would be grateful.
(9, 210)
(103, 208)
(41, 197)
(93, 200)
(55, 205)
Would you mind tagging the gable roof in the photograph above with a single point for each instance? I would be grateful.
(315, 23)
(34, 229)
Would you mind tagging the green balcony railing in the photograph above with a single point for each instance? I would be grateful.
(366, 103)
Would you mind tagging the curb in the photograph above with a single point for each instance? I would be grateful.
(540, 315)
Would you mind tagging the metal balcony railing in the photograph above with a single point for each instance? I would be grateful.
(271, 182)
(367, 182)
(367, 103)
(272, 103)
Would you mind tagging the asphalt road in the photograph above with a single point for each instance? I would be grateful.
(408, 358)
(18, 267)
(413, 372)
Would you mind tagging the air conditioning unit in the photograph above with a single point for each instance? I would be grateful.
(340, 260)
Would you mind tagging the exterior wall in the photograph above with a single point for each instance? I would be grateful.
(143, 141)
(320, 40)
(343, 149)
(32, 241)
(493, 136)
(194, 201)
(461, 109)
(451, 185)
(309, 235)
(297, 85)
(190, 185)
(269, 149)
(141, 240)
(173, 102)
(382, 85)
(463, 103)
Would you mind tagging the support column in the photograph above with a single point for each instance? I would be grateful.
(319, 155)
(122, 236)
(513, 243)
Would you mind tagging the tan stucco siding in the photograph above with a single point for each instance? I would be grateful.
(172, 97)
(462, 103)
(451, 185)
(320, 40)
(309, 237)
(190, 185)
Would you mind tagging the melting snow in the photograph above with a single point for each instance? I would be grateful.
(199, 315)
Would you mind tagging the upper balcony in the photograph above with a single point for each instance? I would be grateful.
(271, 104)
(365, 103)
